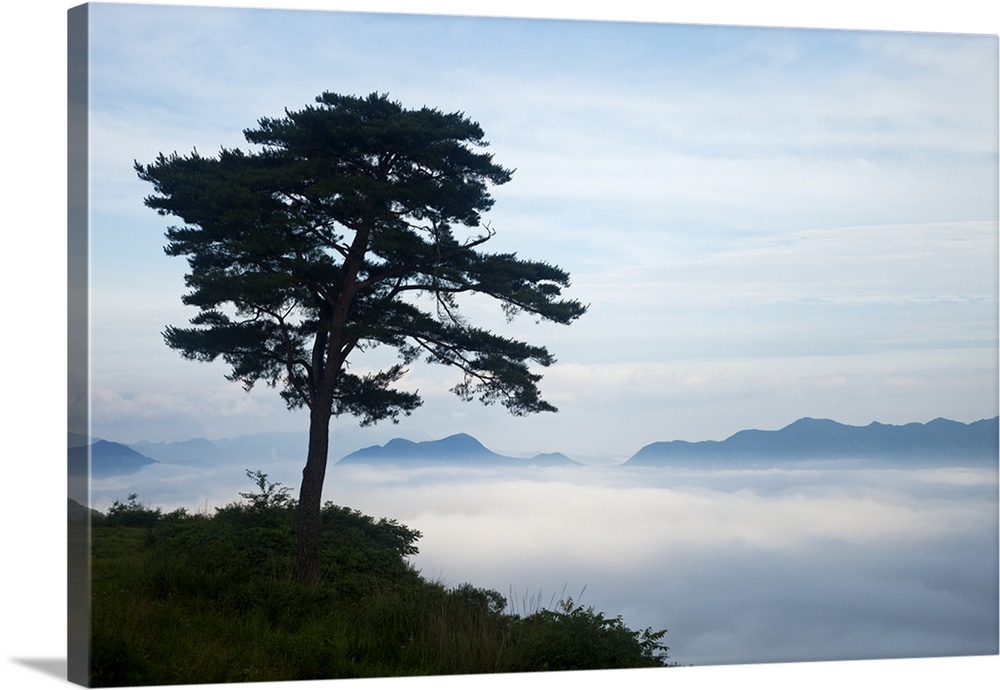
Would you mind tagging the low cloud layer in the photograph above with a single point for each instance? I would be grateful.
(812, 563)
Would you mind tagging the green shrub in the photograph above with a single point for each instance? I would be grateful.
(487, 601)
(131, 514)
(356, 545)
(577, 638)
(270, 495)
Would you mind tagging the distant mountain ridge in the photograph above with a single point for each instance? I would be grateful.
(245, 449)
(254, 448)
(78, 513)
(937, 441)
(459, 450)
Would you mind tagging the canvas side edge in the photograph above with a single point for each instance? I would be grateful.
(78, 344)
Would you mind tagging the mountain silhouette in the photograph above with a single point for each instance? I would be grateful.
(107, 459)
(940, 441)
(242, 450)
(78, 513)
(460, 450)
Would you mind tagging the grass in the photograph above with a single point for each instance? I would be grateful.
(179, 599)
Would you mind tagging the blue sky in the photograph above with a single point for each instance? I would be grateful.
(767, 223)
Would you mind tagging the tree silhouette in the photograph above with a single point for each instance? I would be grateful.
(337, 235)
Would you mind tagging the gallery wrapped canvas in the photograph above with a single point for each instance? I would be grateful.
(444, 345)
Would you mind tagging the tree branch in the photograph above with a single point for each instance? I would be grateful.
(438, 257)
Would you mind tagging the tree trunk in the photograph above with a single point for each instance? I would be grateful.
(329, 352)
(311, 496)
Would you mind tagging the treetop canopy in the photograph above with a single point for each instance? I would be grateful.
(337, 235)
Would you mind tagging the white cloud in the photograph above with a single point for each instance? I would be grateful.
(652, 541)
(890, 264)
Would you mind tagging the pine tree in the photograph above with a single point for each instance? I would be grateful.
(334, 235)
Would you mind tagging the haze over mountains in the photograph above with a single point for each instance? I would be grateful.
(939, 442)
(242, 449)
(936, 442)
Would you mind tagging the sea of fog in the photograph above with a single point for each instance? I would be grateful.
(803, 563)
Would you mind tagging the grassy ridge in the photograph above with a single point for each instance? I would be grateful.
(181, 598)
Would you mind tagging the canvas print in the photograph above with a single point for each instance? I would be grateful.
(428, 345)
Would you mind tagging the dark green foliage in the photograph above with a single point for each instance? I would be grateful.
(271, 495)
(115, 662)
(355, 544)
(257, 538)
(212, 599)
(310, 248)
(131, 514)
(488, 601)
(574, 638)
